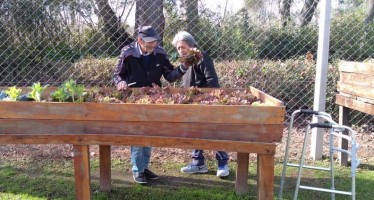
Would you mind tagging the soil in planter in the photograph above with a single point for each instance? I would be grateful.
(158, 95)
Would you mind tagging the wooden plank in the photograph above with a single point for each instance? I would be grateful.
(266, 98)
(241, 181)
(358, 79)
(105, 168)
(356, 90)
(365, 100)
(265, 176)
(82, 172)
(235, 132)
(369, 101)
(357, 67)
(143, 112)
(183, 143)
(354, 104)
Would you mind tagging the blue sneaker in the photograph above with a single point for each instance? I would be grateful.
(223, 171)
(194, 169)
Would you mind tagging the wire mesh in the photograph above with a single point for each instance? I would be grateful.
(269, 44)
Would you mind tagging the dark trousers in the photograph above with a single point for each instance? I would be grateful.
(198, 157)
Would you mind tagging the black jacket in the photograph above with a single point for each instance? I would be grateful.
(202, 75)
(131, 67)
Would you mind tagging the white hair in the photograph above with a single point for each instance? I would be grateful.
(184, 36)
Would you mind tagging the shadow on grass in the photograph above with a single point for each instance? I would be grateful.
(366, 167)
(45, 182)
(181, 182)
(197, 186)
(58, 183)
(363, 186)
(27, 183)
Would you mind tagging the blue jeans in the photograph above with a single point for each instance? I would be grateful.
(140, 157)
(198, 157)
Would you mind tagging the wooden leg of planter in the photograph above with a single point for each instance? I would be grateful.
(265, 176)
(82, 172)
(105, 168)
(343, 144)
(241, 183)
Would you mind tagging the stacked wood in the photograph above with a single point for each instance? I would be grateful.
(356, 86)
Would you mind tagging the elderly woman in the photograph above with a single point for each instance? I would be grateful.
(202, 75)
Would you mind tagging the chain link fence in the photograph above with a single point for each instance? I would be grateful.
(269, 44)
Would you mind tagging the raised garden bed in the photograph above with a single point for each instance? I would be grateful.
(236, 128)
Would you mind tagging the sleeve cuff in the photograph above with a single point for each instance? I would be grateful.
(183, 69)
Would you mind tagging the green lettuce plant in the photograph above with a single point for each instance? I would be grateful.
(36, 91)
(69, 91)
(13, 93)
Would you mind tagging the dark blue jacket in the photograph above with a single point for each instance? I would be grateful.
(133, 67)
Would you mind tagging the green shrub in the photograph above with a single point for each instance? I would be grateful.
(350, 40)
(287, 43)
(92, 71)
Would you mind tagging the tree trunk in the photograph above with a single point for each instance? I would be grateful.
(112, 27)
(150, 12)
(308, 11)
(369, 13)
(285, 12)
(192, 16)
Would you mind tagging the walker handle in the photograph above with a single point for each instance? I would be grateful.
(321, 125)
(310, 112)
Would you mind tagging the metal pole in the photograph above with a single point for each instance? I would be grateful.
(321, 76)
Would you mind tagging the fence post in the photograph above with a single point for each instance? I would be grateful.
(321, 76)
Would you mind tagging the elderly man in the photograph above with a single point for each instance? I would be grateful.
(142, 64)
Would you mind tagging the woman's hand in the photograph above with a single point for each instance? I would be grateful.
(192, 57)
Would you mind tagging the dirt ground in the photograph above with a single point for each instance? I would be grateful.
(159, 155)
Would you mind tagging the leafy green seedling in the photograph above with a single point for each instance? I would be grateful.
(76, 91)
(80, 93)
(60, 94)
(70, 86)
(36, 91)
(13, 93)
(70, 91)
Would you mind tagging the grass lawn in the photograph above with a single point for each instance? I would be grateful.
(53, 179)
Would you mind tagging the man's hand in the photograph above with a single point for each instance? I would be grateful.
(122, 85)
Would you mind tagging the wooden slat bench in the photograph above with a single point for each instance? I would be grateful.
(356, 92)
(241, 129)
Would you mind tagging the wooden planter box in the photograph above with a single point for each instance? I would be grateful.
(242, 129)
